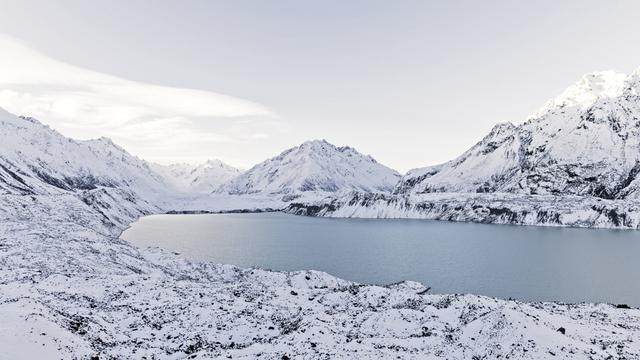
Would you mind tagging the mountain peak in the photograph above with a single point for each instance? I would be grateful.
(103, 140)
(315, 144)
(314, 166)
(502, 127)
(104, 143)
(583, 93)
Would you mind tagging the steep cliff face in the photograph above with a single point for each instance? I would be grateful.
(494, 208)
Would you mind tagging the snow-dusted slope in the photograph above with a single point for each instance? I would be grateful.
(201, 178)
(574, 163)
(36, 159)
(584, 142)
(314, 166)
(70, 289)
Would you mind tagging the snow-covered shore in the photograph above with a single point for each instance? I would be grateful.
(70, 288)
(495, 208)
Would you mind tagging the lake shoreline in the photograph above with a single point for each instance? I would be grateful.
(96, 295)
(382, 251)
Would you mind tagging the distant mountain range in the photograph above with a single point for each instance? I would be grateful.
(202, 178)
(36, 159)
(574, 162)
(583, 144)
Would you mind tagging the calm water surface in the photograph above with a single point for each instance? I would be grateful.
(529, 263)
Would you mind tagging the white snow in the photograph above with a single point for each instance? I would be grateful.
(69, 283)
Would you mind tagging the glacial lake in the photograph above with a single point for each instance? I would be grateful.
(521, 262)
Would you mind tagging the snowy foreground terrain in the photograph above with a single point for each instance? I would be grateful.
(69, 288)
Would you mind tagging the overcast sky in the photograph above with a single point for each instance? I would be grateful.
(413, 83)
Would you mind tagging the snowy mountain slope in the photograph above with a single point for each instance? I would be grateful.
(36, 159)
(584, 142)
(202, 178)
(314, 166)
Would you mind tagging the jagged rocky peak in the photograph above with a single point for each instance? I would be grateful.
(197, 178)
(314, 166)
(584, 142)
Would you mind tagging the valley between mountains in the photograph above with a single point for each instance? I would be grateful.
(70, 288)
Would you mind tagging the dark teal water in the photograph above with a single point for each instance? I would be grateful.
(528, 263)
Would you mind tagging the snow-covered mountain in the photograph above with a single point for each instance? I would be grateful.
(314, 166)
(37, 160)
(575, 162)
(201, 178)
(584, 142)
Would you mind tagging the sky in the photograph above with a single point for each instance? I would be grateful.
(412, 83)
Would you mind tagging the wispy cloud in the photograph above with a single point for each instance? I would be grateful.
(84, 104)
